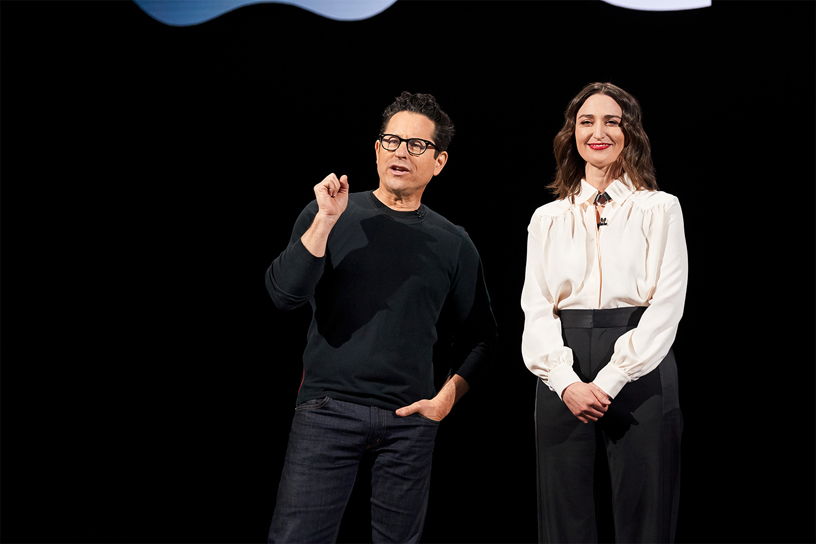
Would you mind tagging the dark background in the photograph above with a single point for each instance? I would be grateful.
(151, 173)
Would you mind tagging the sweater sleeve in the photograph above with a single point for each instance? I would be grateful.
(292, 278)
(474, 336)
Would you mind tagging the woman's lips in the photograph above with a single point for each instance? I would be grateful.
(599, 146)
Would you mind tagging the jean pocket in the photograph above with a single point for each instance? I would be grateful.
(313, 404)
(426, 419)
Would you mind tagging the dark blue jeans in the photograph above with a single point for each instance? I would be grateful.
(326, 444)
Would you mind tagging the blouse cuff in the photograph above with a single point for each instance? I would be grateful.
(561, 376)
(611, 379)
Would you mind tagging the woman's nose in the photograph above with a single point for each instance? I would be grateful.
(599, 131)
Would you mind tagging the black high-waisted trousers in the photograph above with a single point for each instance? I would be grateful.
(621, 473)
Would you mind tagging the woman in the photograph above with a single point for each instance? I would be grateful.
(603, 294)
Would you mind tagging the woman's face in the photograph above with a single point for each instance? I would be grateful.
(598, 133)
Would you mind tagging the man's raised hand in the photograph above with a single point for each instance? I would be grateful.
(332, 196)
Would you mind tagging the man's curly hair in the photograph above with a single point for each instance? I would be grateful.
(424, 104)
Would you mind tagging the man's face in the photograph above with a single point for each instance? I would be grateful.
(400, 172)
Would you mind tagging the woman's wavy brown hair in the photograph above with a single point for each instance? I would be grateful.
(635, 160)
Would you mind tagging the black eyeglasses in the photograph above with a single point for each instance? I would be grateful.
(415, 146)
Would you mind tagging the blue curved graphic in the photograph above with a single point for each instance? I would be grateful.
(193, 12)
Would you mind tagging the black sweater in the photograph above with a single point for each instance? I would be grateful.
(396, 294)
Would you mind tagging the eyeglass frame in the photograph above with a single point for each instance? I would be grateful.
(406, 140)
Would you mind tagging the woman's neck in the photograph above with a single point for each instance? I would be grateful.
(602, 178)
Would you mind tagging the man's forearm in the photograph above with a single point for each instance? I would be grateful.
(441, 405)
(317, 236)
(455, 386)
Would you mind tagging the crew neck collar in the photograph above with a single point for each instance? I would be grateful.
(414, 215)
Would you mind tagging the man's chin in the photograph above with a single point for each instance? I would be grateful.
(400, 185)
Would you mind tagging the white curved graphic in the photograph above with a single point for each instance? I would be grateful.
(193, 12)
(660, 5)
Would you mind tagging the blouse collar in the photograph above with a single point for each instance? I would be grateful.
(619, 190)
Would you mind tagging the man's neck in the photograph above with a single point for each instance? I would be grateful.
(399, 202)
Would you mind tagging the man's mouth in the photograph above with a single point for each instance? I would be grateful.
(599, 146)
(397, 169)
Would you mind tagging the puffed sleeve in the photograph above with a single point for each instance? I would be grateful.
(542, 346)
(640, 350)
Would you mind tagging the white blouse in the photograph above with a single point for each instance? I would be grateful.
(637, 259)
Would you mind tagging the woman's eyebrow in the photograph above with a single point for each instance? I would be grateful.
(591, 116)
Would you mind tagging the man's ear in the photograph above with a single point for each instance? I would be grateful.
(441, 161)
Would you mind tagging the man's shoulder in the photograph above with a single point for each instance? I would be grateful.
(360, 196)
(362, 199)
(454, 237)
(360, 205)
(438, 220)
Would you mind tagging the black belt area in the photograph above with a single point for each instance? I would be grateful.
(600, 319)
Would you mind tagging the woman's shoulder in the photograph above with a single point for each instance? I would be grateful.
(546, 216)
(650, 199)
(552, 209)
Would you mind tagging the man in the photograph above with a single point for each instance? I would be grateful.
(393, 287)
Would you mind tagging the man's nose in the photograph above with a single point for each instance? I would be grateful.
(402, 150)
